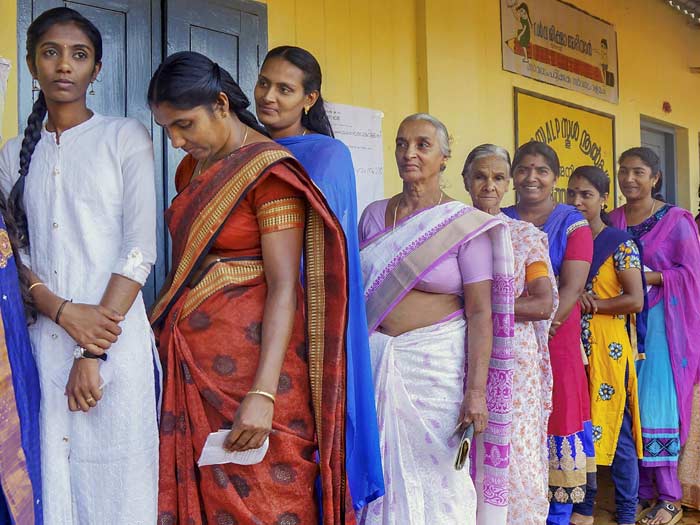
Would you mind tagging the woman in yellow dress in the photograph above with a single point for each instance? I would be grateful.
(614, 291)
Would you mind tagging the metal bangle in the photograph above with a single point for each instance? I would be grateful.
(38, 283)
(271, 397)
(60, 310)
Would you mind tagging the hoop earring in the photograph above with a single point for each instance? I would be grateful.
(35, 86)
(92, 88)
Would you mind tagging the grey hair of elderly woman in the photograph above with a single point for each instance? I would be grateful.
(442, 133)
(485, 150)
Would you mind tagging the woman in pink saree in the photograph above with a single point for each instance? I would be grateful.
(432, 266)
(487, 178)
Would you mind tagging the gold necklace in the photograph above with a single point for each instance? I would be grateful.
(546, 216)
(653, 207)
(200, 165)
(598, 232)
(396, 208)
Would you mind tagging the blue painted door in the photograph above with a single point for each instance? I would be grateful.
(232, 32)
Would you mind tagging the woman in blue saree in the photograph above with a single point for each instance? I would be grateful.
(20, 471)
(289, 104)
(571, 453)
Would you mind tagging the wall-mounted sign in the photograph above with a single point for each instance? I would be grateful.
(580, 136)
(360, 129)
(4, 74)
(557, 43)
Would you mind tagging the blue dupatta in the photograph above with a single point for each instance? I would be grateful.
(20, 471)
(563, 220)
(328, 163)
(604, 245)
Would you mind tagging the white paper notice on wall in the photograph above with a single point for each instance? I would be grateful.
(4, 74)
(360, 129)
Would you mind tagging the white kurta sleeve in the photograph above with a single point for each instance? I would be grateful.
(9, 173)
(138, 249)
(9, 166)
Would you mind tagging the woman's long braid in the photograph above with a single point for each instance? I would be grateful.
(13, 209)
(32, 135)
(11, 227)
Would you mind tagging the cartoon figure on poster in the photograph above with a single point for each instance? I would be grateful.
(557, 43)
(522, 15)
(608, 76)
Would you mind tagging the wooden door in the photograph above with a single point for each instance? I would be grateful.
(233, 33)
(662, 142)
(131, 41)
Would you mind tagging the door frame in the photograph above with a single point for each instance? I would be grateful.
(669, 133)
(25, 15)
(159, 13)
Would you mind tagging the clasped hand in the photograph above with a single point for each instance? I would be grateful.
(95, 328)
(587, 300)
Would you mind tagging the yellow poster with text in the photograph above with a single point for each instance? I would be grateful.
(579, 136)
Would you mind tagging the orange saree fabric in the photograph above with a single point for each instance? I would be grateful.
(209, 336)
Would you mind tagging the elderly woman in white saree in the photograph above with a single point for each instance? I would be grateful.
(432, 266)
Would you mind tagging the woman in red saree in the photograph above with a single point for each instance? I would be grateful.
(243, 346)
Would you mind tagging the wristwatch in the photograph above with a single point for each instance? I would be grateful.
(81, 353)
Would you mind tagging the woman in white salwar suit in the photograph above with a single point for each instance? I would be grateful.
(432, 266)
(82, 189)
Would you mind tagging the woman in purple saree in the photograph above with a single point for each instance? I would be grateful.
(432, 266)
(671, 256)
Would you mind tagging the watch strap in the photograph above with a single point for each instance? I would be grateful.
(89, 355)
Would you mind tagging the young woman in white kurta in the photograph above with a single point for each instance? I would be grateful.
(89, 199)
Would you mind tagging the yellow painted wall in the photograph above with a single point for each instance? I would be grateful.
(368, 54)
(8, 50)
(444, 56)
(469, 90)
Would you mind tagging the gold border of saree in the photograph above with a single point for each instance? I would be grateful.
(207, 223)
(224, 273)
(20, 499)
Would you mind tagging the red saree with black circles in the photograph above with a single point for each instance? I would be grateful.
(209, 336)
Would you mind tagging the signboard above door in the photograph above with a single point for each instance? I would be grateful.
(580, 136)
(557, 43)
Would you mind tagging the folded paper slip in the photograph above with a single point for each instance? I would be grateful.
(214, 453)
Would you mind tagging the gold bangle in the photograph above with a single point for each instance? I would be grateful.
(271, 397)
(38, 283)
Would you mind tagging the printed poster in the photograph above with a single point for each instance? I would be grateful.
(557, 43)
(4, 75)
(580, 136)
(360, 129)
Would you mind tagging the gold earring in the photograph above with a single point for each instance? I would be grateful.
(92, 88)
(35, 86)
(306, 111)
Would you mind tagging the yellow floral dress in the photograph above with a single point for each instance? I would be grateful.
(610, 354)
